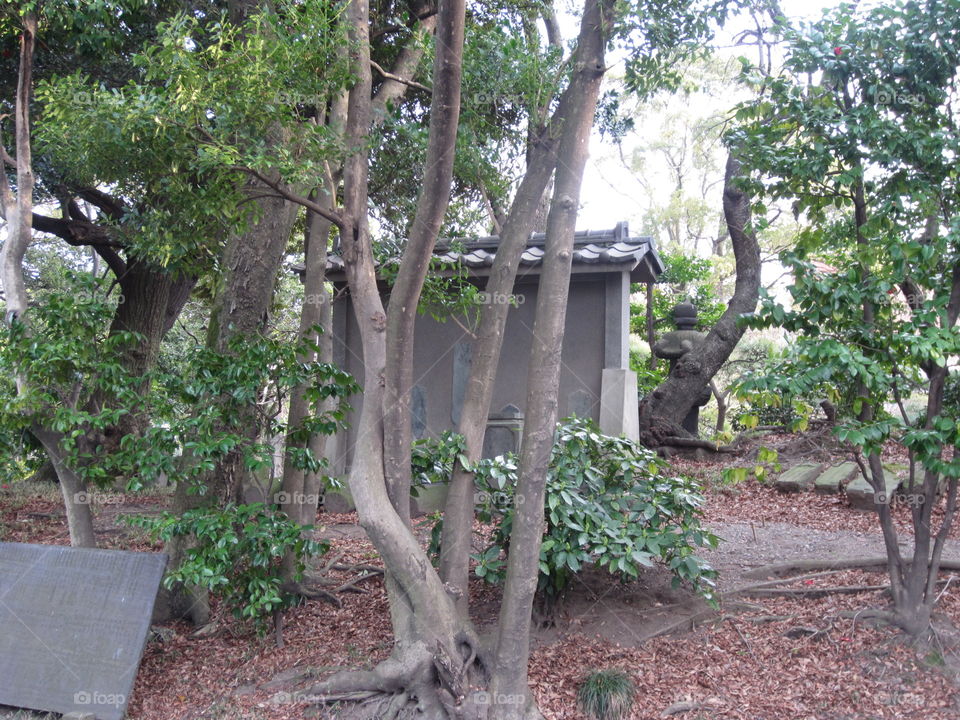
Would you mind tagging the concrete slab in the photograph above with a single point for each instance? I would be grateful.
(74, 624)
(862, 495)
(799, 478)
(832, 478)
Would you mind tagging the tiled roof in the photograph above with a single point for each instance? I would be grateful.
(600, 250)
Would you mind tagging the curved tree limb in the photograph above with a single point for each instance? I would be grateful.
(673, 398)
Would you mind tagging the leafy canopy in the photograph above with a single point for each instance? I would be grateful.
(867, 155)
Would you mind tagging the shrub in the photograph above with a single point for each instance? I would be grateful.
(432, 459)
(238, 554)
(610, 502)
(606, 694)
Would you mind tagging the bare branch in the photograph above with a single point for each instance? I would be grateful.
(284, 192)
(397, 78)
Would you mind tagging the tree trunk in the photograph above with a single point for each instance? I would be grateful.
(18, 212)
(143, 310)
(665, 408)
(76, 500)
(431, 206)
(301, 488)
(251, 262)
(316, 298)
(521, 221)
(914, 583)
(458, 512)
(509, 681)
(429, 633)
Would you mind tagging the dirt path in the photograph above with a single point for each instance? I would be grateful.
(745, 546)
(630, 614)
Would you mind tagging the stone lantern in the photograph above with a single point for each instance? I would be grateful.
(677, 343)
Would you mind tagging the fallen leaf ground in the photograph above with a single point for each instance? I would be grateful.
(777, 658)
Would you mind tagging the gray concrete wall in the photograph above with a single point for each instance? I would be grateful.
(593, 312)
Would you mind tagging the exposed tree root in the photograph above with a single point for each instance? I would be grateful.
(780, 569)
(689, 442)
(745, 589)
(350, 585)
(433, 681)
(814, 591)
(685, 707)
(296, 588)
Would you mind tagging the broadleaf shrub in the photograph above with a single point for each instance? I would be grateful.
(610, 502)
(238, 555)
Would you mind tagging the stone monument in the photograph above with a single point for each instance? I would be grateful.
(677, 343)
(73, 626)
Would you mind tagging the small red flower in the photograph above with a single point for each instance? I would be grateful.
(838, 51)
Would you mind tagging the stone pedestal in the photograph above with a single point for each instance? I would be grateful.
(618, 403)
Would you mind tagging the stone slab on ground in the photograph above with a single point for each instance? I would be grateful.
(833, 478)
(799, 478)
(74, 624)
(862, 495)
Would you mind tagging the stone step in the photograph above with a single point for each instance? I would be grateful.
(834, 477)
(862, 496)
(799, 478)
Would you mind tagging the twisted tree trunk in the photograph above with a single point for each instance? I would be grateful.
(663, 410)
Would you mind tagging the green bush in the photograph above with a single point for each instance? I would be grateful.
(951, 396)
(609, 502)
(432, 459)
(606, 695)
(238, 554)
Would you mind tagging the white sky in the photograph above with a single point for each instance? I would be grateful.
(610, 191)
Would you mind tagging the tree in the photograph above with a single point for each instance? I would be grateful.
(866, 154)
(199, 110)
(150, 297)
(662, 411)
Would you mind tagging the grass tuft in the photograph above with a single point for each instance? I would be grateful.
(606, 694)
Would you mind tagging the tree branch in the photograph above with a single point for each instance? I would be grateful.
(278, 187)
(76, 232)
(109, 205)
(396, 78)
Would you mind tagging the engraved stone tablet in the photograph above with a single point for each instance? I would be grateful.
(73, 625)
(504, 432)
